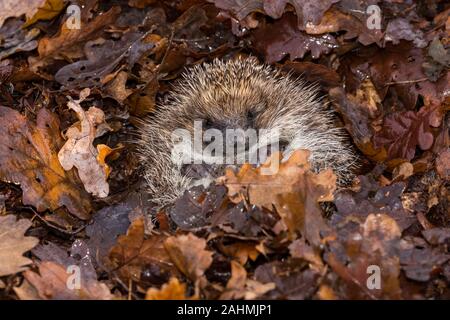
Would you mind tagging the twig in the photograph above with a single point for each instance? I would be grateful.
(405, 82)
(54, 226)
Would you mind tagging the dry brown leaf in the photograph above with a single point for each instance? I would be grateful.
(173, 290)
(52, 284)
(443, 165)
(236, 284)
(79, 152)
(68, 42)
(33, 9)
(294, 190)
(47, 11)
(28, 156)
(117, 87)
(133, 253)
(240, 287)
(189, 255)
(13, 244)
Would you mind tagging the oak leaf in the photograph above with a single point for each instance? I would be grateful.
(34, 10)
(189, 255)
(173, 290)
(133, 254)
(52, 284)
(13, 244)
(294, 190)
(79, 152)
(28, 156)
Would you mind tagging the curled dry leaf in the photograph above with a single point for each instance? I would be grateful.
(28, 156)
(173, 290)
(67, 43)
(133, 256)
(189, 255)
(15, 39)
(294, 190)
(53, 283)
(34, 10)
(79, 152)
(13, 244)
(239, 286)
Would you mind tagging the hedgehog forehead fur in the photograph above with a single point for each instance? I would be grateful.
(240, 93)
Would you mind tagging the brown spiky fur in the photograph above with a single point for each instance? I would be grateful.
(227, 94)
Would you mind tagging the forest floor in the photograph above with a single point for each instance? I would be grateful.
(76, 221)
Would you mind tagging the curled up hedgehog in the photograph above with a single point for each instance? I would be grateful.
(236, 94)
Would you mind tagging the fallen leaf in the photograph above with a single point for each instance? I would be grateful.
(108, 224)
(141, 259)
(282, 38)
(14, 39)
(291, 282)
(47, 11)
(68, 41)
(79, 152)
(400, 28)
(403, 132)
(117, 87)
(13, 244)
(189, 255)
(52, 284)
(28, 156)
(173, 290)
(373, 243)
(294, 190)
(103, 56)
(34, 10)
(372, 198)
(308, 11)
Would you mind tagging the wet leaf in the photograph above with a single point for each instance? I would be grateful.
(13, 244)
(173, 290)
(189, 255)
(52, 284)
(276, 41)
(28, 156)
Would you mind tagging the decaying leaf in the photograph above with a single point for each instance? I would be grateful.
(173, 290)
(13, 244)
(79, 152)
(14, 39)
(54, 283)
(403, 132)
(47, 11)
(34, 10)
(69, 40)
(374, 247)
(283, 38)
(141, 259)
(103, 56)
(294, 190)
(28, 156)
(189, 255)
(309, 11)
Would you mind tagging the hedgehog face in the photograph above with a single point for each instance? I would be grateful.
(237, 95)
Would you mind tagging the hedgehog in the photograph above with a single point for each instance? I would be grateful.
(237, 94)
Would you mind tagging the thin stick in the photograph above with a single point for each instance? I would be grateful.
(406, 81)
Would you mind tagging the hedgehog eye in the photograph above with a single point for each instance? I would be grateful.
(208, 123)
(251, 116)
